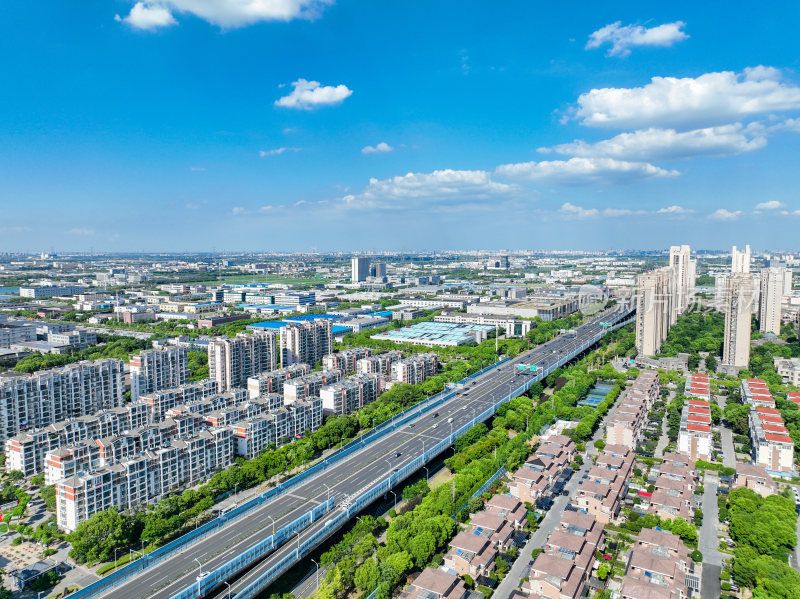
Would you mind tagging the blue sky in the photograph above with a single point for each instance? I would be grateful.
(300, 124)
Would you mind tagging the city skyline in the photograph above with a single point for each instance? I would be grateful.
(285, 125)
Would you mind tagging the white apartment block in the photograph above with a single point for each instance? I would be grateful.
(272, 382)
(308, 386)
(33, 401)
(694, 436)
(772, 291)
(654, 307)
(141, 478)
(306, 343)
(380, 364)
(156, 369)
(159, 402)
(789, 369)
(738, 305)
(232, 361)
(50, 291)
(740, 261)
(351, 394)
(414, 369)
(345, 360)
(685, 273)
(627, 425)
(773, 448)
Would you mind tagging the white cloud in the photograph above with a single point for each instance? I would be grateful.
(578, 211)
(674, 210)
(439, 187)
(583, 171)
(770, 205)
(236, 13)
(722, 214)
(666, 144)
(622, 38)
(380, 148)
(81, 231)
(148, 15)
(276, 151)
(197, 169)
(670, 101)
(310, 94)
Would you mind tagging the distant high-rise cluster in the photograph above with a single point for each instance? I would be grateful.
(664, 294)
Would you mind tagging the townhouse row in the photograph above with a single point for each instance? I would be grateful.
(629, 417)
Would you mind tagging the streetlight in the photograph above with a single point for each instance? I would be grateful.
(329, 490)
(229, 588)
(115, 557)
(315, 561)
(427, 474)
(395, 499)
(273, 523)
(298, 545)
(201, 566)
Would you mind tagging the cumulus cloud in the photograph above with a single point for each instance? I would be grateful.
(623, 38)
(578, 211)
(439, 187)
(149, 16)
(380, 148)
(665, 144)
(674, 210)
(310, 94)
(723, 214)
(584, 171)
(770, 205)
(276, 151)
(681, 102)
(232, 13)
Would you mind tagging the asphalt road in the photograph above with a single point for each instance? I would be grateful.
(348, 476)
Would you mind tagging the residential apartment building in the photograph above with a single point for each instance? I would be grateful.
(50, 291)
(159, 402)
(772, 446)
(33, 401)
(629, 419)
(141, 478)
(155, 369)
(755, 392)
(351, 394)
(414, 369)
(380, 363)
(773, 283)
(540, 473)
(789, 369)
(738, 305)
(685, 273)
(306, 342)
(308, 386)
(654, 307)
(232, 361)
(694, 436)
(346, 359)
(699, 386)
(272, 382)
(740, 261)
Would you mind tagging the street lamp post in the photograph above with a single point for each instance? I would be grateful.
(201, 566)
(317, 564)
(395, 499)
(427, 474)
(115, 557)
(229, 588)
(297, 556)
(273, 523)
(329, 490)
